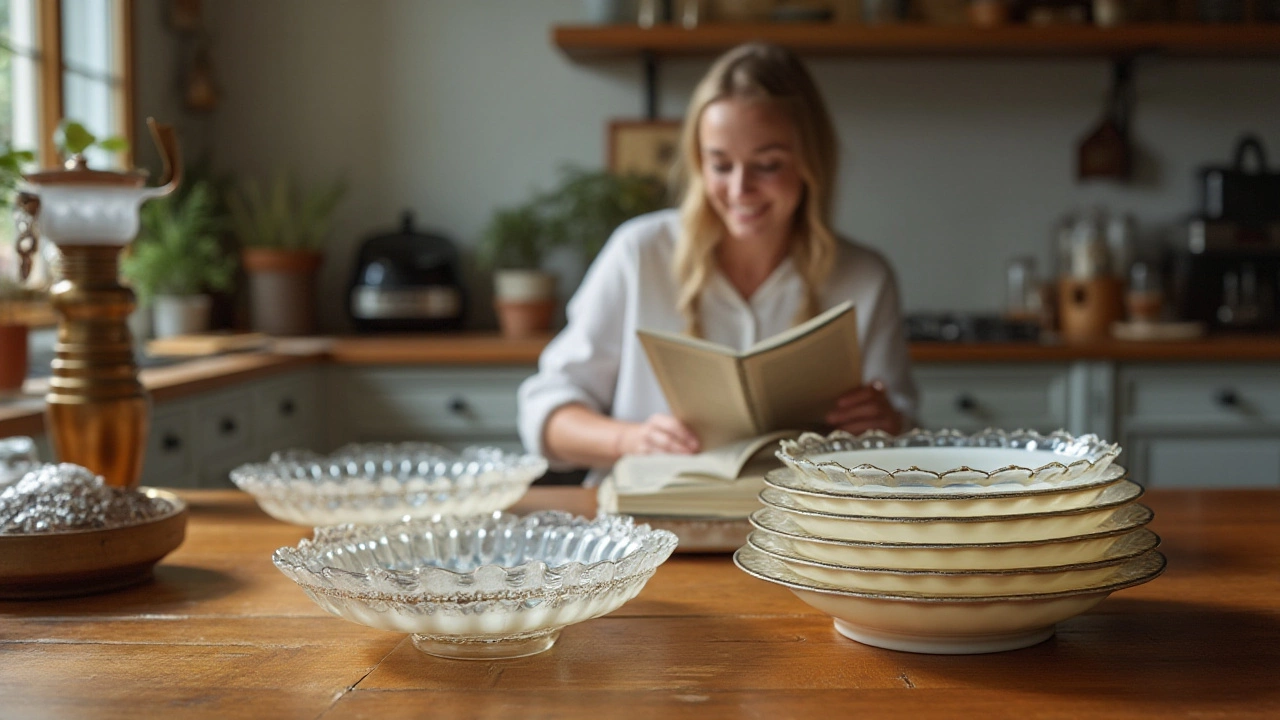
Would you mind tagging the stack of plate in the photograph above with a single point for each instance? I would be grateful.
(951, 543)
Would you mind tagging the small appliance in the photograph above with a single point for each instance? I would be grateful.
(407, 281)
(1228, 275)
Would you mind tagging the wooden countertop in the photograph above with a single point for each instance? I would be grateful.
(221, 633)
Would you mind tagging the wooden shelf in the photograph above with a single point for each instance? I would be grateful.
(583, 42)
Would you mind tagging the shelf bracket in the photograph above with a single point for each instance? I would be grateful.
(650, 62)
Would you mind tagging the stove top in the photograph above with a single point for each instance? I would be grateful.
(969, 328)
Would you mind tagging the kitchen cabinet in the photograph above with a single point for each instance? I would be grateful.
(1214, 425)
(196, 441)
(451, 406)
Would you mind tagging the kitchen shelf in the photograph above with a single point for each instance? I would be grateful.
(584, 42)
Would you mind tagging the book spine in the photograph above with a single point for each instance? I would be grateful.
(753, 410)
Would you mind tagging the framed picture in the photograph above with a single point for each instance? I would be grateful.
(644, 147)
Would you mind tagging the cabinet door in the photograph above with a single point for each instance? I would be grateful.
(973, 397)
(451, 406)
(223, 426)
(170, 453)
(1172, 461)
(1239, 397)
(287, 412)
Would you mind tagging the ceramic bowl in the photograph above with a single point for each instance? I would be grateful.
(960, 529)
(947, 625)
(493, 586)
(1085, 548)
(956, 500)
(958, 583)
(377, 483)
(948, 458)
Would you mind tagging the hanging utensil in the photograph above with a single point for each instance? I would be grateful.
(1105, 153)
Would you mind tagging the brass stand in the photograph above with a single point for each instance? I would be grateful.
(98, 412)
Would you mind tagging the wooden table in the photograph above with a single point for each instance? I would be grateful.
(222, 634)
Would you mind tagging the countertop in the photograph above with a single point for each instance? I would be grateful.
(221, 633)
(21, 414)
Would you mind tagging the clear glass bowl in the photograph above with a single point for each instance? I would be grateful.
(494, 586)
(948, 459)
(17, 458)
(378, 483)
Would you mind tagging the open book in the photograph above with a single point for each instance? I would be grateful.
(787, 381)
(721, 482)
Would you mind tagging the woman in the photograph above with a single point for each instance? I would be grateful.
(749, 253)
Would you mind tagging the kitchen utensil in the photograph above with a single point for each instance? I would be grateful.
(1105, 153)
(97, 412)
(1238, 194)
(407, 281)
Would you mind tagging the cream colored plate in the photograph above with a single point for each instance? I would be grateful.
(969, 583)
(1086, 547)
(946, 625)
(1006, 499)
(982, 529)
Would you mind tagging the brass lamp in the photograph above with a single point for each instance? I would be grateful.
(98, 413)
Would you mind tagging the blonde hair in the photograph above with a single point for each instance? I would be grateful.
(775, 75)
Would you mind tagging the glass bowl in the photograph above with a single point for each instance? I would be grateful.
(17, 458)
(484, 587)
(948, 458)
(935, 624)
(957, 583)
(1086, 547)
(954, 500)
(959, 529)
(378, 483)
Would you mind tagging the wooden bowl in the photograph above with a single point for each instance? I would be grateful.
(86, 562)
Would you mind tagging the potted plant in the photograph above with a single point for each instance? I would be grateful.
(177, 258)
(13, 296)
(282, 234)
(578, 214)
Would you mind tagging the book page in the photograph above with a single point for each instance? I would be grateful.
(637, 474)
(703, 387)
(794, 383)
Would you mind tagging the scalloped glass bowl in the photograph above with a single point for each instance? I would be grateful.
(17, 458)
(483, 587)
(378, 483)
(943, 624)
(955, 501)
(948, 459)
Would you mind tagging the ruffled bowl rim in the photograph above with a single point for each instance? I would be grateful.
(796, 454)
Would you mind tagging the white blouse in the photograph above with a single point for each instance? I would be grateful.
(598, 361)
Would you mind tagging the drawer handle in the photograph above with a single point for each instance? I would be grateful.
(170, 442)
(965, 403)
(1228, 398)
(287, 408)
(458, 406)
(227, 426)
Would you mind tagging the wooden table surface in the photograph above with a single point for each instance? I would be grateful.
(221, 633)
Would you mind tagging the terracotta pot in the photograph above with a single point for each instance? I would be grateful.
(282, 290)
(525, 301)
(13, 357)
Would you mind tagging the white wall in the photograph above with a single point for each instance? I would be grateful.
(453, 107)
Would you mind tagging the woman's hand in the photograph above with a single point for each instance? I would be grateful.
(658, 434)
(865, 408)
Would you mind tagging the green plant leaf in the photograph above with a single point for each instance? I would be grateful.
(73, 138)
(114, 144)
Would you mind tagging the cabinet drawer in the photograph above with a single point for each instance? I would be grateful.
(169, 461)
(223, 426)
(971, 398)
(1201, 396)
(285, 409)
(1200, 462)
(405, 403)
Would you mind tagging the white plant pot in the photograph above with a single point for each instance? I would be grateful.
(181, 314)
(521, 286)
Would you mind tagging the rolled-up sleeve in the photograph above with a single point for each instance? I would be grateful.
(580, 365)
